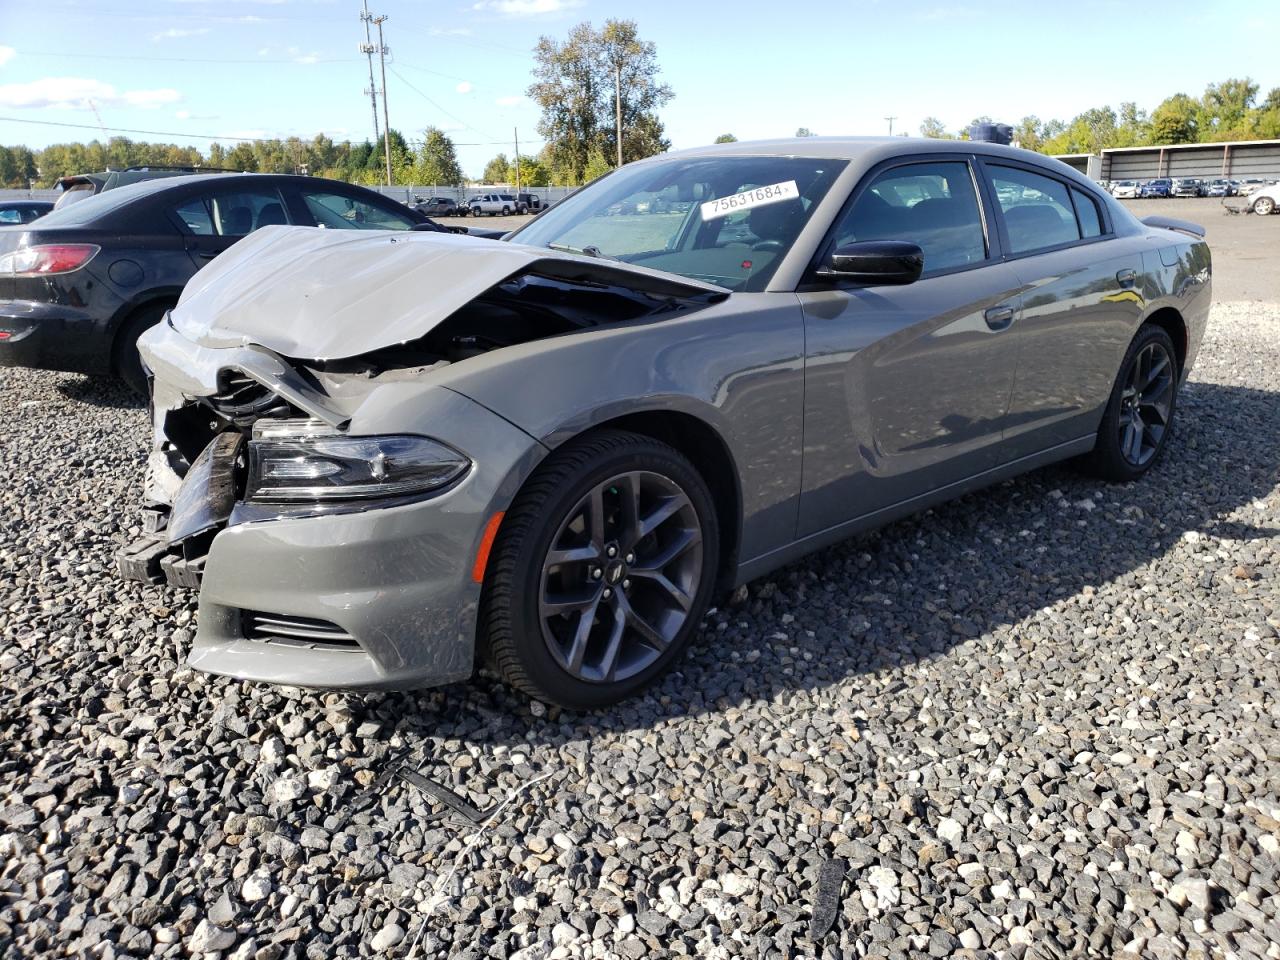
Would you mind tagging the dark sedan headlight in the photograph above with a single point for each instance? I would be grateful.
(297, 463)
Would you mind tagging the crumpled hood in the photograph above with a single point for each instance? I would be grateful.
(305, 292)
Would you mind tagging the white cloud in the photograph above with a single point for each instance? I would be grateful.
(177, 33)
(183, 114)
(6, 54)
(300, 57)
(527, 8)
(464, 87)
(509, 101)
(68, 93)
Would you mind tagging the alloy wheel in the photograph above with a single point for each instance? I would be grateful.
(620, 577)
(1146, 403)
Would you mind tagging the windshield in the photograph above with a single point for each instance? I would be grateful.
(723, 220)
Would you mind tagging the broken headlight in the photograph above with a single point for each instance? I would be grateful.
(307, 462)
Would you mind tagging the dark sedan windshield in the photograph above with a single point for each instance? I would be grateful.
(724, 220)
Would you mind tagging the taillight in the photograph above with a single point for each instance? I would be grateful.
(47, 259)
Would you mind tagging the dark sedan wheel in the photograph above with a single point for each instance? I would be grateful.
(1139, 416)
(601, 572)
(125, 359)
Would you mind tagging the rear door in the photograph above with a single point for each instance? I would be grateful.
(907, 387)
(1081, 303)
(214, 219)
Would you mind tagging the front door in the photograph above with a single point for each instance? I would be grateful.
(907, 387)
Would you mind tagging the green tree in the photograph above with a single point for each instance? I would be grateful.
(934, 129)
(1225, 109)
(495, 171)
(437, 161)
(575, 84)
(1028, 133)
(532, 172)
(597, 165)
(1176, 120)
(726, 138)
(243, 158)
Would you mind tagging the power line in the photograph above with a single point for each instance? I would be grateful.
(451, 116)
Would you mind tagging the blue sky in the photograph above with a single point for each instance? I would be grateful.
(250, 68)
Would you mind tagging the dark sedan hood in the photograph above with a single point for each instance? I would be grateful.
(305, 292)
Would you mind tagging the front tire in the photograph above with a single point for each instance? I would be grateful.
(1139, 417)
(601, 572)
(1264, 206)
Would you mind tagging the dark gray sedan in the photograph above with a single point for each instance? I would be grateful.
(380, 456)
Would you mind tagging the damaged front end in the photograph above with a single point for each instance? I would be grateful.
(329, 501)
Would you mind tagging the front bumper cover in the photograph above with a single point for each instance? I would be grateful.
(396, 579)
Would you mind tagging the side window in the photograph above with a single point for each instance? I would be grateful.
(232, 214)
(1087, 214)
(933, 205)
(336, 212)
(1037, 210)
(10, 216)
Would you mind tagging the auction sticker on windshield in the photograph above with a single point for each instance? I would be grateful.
(755, 197)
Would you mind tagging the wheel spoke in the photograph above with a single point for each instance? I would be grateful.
(1132, 443)
(580, 637)
(678, 547)
(663, 512)
(572, 555)
(595, 519)
(553, 605)
(1155, 370)
(629, 489)
(642, 626)
(660, 579)
(609, 661)
(1160, 409)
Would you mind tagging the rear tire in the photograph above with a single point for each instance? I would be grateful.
(125, 360)
(1138, 421)
(1264, 206)
(601, 572)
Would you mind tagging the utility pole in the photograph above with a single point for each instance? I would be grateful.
(516, 131)
(617, 104)
(386, 118)
(367, 49)
(891, 119)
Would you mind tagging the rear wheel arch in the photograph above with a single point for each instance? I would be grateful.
(1171, 322)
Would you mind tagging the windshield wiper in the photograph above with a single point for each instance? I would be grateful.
(590, 250)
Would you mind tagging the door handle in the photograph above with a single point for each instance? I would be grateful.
(1126, 277)
(206, 254)
(998, 317)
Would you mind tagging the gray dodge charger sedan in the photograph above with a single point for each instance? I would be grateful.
(381, 455)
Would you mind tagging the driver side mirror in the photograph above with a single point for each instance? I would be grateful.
(875, 262)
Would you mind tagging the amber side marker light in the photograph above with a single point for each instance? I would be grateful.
(486, 544)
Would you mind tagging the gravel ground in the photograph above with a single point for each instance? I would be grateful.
(1041, 721)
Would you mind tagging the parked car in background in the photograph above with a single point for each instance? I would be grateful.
(493, 204)
(81, 284)
(1221, 188)
(378, 463)
(80, 186)
(1265, 200)
(1161, 187)
(1125, 189)
(1250, 185)
(529, 202)
(438, 207)
(1185, 187)
(23, 211)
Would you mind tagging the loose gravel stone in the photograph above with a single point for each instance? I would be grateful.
(1040, 721)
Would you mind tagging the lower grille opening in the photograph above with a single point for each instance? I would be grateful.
(288, 630)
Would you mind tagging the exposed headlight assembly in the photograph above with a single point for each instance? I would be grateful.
(294, 462)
